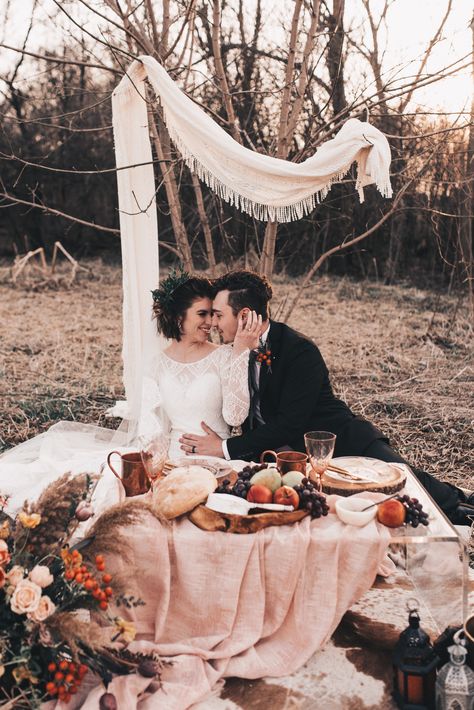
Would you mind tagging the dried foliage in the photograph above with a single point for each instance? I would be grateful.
(401, 356)
(56, 506)
(108, 535)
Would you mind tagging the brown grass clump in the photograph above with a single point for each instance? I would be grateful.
(400, 356)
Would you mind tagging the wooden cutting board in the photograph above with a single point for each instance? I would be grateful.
(210, 520)
(393, 481)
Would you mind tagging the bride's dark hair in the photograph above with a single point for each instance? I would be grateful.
(173, 298)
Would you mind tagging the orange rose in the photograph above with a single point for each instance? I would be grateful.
(4, 554)
(26, 597)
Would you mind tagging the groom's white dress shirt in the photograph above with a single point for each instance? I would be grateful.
(257, 365)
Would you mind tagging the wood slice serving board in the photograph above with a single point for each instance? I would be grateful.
(386, 477)
(208, 519)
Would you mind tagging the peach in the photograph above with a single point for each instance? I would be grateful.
(286, 495)
(391, 513)
(259, 494)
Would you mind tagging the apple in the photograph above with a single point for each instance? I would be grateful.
(286, 496)
(259, 494)
(391, 513)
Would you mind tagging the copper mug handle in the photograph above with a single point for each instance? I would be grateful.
(268, 451)
(110, 465)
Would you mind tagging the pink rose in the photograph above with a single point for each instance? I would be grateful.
(3, 577)
(4, 554)
(25, 598)
(15, 575)
(44, 609)
(41, 576)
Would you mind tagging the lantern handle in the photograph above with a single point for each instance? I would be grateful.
(412, 605)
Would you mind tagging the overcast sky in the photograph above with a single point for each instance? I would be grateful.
(411, 24)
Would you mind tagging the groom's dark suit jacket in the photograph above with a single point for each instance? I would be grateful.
(296, 397)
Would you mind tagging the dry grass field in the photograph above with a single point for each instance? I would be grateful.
(401, 356)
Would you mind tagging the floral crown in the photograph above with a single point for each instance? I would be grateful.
(165, 293)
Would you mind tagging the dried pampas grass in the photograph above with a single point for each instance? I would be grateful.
(56, 505)
(77, 631)
(107, 539)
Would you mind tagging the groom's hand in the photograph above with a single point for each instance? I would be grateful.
(210, 444)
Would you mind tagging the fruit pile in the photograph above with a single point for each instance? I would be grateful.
(402, 510)
(66, 677)
(263, 484)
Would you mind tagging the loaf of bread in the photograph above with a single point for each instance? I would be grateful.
(182, 490)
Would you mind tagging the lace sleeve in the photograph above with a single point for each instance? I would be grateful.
(235, 385)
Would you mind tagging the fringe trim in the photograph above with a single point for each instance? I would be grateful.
(258, 210)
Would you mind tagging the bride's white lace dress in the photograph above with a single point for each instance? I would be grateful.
(213, 389)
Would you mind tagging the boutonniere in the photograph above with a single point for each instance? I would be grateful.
(264, 355)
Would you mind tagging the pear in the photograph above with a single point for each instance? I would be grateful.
(268, 477)
(292, 478)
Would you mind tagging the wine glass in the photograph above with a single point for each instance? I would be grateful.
(320, 448)
(154, 453)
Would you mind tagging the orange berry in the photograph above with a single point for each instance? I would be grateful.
(58, 675)
(51, 688)
(79, 577)
(69, 575)
(51, 667)
(100, 566)
(69, 678)
(89, 584)
(63, 665)
(102, 596)
(99, 559)
(109, 591)
(96, 593)
(72, 667)
(75, 553)
(103, 605)
(83, 669)
(83, 568)
(106, 578)
(95, 584)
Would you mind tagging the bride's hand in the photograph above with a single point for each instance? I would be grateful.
(248, 332)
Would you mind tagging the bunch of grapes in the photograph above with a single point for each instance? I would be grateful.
(415, 515)
(311, 500)
(242, 484)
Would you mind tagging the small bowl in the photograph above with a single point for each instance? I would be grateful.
(349, 510)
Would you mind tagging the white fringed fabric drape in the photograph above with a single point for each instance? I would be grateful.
(265, 187)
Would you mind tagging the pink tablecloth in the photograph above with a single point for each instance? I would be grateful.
(222, 605)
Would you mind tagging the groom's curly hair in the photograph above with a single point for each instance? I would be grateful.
(170, 314)
(247, 289)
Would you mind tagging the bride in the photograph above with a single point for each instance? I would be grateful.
(193, 380)
(198, 380)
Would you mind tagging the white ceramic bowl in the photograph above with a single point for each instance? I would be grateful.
(349, 510)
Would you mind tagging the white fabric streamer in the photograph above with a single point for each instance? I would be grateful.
(264, 187)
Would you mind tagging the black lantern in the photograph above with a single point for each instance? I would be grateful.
(414, 666)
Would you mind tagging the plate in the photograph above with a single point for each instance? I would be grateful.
(219, 467)
(381, 476)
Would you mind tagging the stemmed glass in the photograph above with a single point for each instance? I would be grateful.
(154, 453)
(320, 448)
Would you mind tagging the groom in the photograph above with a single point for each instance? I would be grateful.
(291, 394)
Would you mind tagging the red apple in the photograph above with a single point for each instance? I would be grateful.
(286, 496)
(259, 494)
(391, 513)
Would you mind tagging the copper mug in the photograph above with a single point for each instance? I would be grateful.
(287, 460)
(133, 478)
